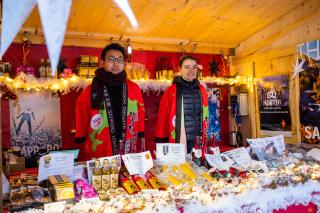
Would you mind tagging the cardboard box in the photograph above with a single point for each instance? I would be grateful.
(62, 188)
(16, 166)
(84, 61)
(94, 61)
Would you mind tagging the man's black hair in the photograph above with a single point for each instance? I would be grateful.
(112, 46)
(186, 57)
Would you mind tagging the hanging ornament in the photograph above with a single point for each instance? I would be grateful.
(25, 51)
(214, 67)
(8, 94)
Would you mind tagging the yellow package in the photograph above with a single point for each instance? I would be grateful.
(173, 180)
(141, 183)
(187, 171)
(63, 191)
(130, 186)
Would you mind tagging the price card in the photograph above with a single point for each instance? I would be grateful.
(138, 163)
(240, 156)
(221, 162)
(170, 153)
(55, 164)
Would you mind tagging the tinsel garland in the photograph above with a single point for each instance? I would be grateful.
(64, 86)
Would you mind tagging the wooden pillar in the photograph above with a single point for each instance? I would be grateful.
(253, 112)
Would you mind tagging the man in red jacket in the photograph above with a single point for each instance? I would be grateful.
(110, 111)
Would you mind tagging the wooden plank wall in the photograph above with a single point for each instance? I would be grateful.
(275, 55)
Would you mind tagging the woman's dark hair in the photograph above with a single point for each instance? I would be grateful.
(112, 46)
(186, 57)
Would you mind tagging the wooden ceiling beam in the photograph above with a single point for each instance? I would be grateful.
(99, 40)
(297, 17)
(266, 55)
(152, 44)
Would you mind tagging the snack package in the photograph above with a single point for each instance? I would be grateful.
(173, 180)
(41, 195)
(187, 171)
(154, 182)
(128, 184)
(178, 173)
(140, 182)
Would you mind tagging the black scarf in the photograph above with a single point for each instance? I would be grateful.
(179, 81)
(104, 78)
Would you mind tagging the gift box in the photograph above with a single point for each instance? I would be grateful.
(93, 61)
(61, 187)
(84, 61)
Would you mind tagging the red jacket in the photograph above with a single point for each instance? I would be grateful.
(93, 123)
(167, 115)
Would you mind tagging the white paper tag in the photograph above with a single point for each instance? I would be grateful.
(239, 155)
(221, 162)
(138, 163)
(314, 153)
(92, 200)
(278, 142)
(170, 153)
(55, 164)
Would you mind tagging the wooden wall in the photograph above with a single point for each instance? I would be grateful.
(273, 51)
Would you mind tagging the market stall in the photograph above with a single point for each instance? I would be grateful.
(261, 149)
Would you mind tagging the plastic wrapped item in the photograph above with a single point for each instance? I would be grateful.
(27, 197)
(179, 174)
(187, 171)
(84, 190)
(154, 182)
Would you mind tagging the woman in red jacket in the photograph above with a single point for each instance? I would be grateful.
(110, 111)
(183, 113)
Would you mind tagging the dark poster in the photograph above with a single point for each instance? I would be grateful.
(273, 97)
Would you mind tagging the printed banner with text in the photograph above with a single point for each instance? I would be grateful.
(273, 97)
(37, 127)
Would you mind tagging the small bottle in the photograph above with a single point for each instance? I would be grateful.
(106, 175)
(48, 69)
(96, 176)
(42, 69)
(114, 176)
(196, 151)
(213, 146)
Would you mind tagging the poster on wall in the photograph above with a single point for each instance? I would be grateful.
(36, 128)
(309, 81)
(273, 99)
(214, 129)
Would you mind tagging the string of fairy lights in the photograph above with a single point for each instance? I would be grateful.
(65, 85)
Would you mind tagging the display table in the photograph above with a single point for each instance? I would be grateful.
(299, 198)
(284, 183)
